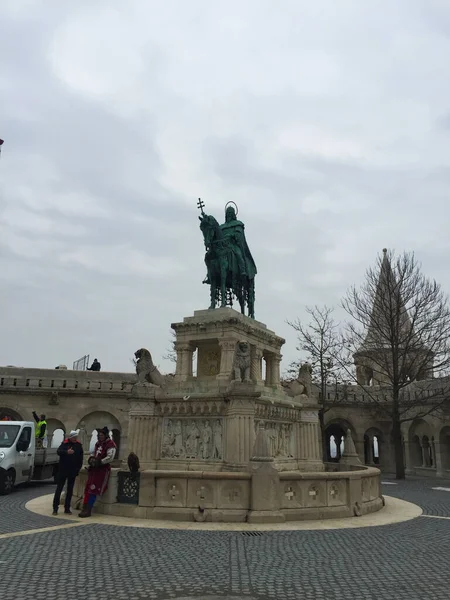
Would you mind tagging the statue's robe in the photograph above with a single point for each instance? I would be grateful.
(234, 230)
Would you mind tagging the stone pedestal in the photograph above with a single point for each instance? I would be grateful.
(143, 428)
(216, 333)
(239, 426)
(265, 485)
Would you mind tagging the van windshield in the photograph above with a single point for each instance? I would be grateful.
(8, 434)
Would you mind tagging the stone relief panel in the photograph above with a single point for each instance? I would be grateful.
(188, 439)
(208, 361)
(280, 437)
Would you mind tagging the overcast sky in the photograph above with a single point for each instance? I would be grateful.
(328, 123)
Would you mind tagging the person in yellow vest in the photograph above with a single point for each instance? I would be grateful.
(41, 430)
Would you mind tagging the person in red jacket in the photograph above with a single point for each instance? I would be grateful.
(70, 455)
(99, 470)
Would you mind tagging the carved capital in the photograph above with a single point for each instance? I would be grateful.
(138, 408)
(227, 345)
(183, 347)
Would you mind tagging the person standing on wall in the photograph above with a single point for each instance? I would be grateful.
(99, 470)
(96, 366)
(70, 462)
(41, 431)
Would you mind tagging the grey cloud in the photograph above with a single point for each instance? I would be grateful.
(328, 128)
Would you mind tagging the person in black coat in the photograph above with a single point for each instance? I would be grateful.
(70, 462)
(96, 366)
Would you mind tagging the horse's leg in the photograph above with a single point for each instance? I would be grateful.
(241, 298)
(223, 283)
(251, 299)
(213, 287)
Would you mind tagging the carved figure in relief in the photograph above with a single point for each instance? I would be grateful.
(279, 437)
(146, 370)
(169, 441)
(205, 439)
(242, 362)
(217, 440)
(178, 442)
(192, 441)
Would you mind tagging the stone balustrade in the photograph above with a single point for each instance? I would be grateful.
(35, 380)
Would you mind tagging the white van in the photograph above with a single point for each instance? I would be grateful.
(20, 461)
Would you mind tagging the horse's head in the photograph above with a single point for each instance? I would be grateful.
(210, 229)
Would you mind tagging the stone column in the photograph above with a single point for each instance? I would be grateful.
(409, 467)
(256, 370)
(275, 370)
(184, 352)
(143, 427)
(422, 449)
(239, 429)
(438, 459)
(227, 350)
(310, 455)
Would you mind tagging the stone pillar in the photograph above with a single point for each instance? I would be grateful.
(360, 449)
(239, 428)
(409, 467)
(184, 360)
(275, 370)
(266, 489)
(438, 459)
(422, 449)
(256, 370)
(143, 425)
(227, 351)
(310, 451)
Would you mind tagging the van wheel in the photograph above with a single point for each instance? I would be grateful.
(7, 482)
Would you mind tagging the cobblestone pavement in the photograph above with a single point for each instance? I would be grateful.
(13, 514)
(405, 561)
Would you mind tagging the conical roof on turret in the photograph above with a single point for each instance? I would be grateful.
(389, 312)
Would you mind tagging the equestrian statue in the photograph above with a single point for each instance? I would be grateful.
(230, 266)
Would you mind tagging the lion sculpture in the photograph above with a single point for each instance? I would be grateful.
(302, 386)
(146, 370)
(242, 362)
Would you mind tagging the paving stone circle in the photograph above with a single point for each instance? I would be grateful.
(405, 561)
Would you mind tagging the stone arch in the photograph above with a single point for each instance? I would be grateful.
(94, 420)
(335, 432)
(6, 412)
(56, 431)
(373, 442)
(421, 444)
(444, 442)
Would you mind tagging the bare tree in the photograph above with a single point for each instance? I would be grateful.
(320, 343)
(400, 340)
(171, 353)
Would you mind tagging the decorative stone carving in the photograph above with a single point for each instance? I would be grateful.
(280, 438)
(242, 362)
(189, 407)
(54, 399)
(349, 456)
(208, 361)
(146, 370)
(302, 386)
(268, 412)
(199, 439)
